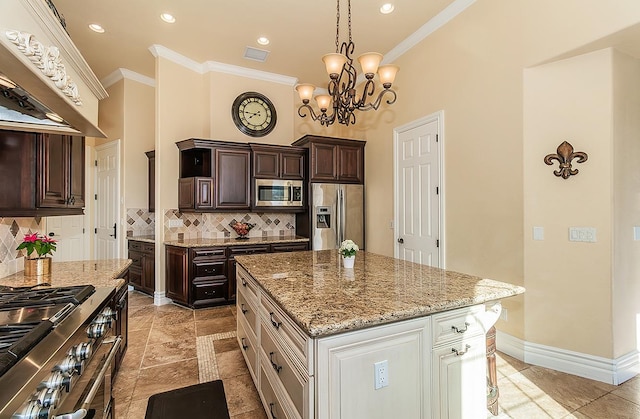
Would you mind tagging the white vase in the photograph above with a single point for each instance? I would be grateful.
(348, 261)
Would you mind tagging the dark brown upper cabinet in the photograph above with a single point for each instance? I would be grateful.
(278, 162)
(334, 159)
(214, 176)
(43, 174)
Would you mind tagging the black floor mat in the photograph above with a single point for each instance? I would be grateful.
(200, 401)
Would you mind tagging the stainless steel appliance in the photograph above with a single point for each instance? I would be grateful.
(56, 352)
(337, 214)
(278, 193)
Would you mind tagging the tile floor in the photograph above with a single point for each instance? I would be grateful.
(162, 356)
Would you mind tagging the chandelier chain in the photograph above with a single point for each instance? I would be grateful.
(337, 25)
(349, 4)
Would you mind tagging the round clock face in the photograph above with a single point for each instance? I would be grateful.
(254, 114)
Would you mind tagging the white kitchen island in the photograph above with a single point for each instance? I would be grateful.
(386, 339)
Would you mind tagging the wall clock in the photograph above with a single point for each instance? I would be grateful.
(254, 114)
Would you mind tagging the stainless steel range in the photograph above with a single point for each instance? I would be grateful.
(57, 347)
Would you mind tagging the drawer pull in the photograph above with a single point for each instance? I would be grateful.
(462, 352)
(273, 322)
(275, 366)
(244, 310)
(271, 410)
(455, 329)
(209, 271)
(244, 283)
(244, 347)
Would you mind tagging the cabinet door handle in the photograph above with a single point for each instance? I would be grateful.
(271, 411)
(244, 310)
(275, 366)
(462, 352)
(244, 347)
(273, 322)
(115, 231)
(466, 326)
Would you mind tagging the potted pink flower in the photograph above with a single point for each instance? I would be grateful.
(42, 246)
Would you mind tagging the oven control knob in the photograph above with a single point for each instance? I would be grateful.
(102, 319)
(96, 330)
(58, 380)
(70, 365)
(48, 397)
(109, 312)
(81, 351)
(33, 410)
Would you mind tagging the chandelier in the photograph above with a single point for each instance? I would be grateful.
(343, 97)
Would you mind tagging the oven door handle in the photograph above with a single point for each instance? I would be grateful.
(106, 367)
(78, 414)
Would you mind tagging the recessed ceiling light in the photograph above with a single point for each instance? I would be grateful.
(263, 40)
(386, 8)
(54, 117)
(96, 28)
(168, 17)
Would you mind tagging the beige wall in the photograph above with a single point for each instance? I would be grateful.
(569, 283)
(626, 199)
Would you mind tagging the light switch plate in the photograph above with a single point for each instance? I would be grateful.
(538, 233)
(636, 233)
(582, 234)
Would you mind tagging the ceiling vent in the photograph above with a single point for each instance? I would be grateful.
(255, 54)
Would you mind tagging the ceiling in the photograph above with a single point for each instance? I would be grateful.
(300, 31)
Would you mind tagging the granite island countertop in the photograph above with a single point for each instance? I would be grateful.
(99, 273)
(324, 299)
(231, 241)
(146, 239)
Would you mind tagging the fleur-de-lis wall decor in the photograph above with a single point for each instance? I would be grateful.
(564, 155)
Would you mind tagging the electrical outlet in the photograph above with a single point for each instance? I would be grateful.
(504, 314)
(582, 234)
(381, 374)
(176, 223)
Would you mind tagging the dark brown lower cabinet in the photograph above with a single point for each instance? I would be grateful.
(142, 271)
(206, 276)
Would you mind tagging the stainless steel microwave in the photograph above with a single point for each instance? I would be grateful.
(278, 193)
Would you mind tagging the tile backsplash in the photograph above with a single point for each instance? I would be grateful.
(140, 222)
(216, 225)
(12, 231)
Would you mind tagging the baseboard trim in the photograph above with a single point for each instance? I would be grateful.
(611, 371)
(160, 299)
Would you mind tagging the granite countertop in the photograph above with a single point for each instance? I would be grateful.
(99, 273)
(147, 239)
(323, 298)
(231, 241)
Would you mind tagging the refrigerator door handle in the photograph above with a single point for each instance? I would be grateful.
(343, 216)
(338, 219)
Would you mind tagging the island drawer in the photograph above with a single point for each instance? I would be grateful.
(289, 247)
(284, 367)
(247, 250)
(284, 328)
(209, 290)
(272, 403)
(247, 285)
(208, 253)
(205, 268)
(247, 341)
(456, 324)
(247, 311)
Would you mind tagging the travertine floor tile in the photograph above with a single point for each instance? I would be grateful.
(168, 333)
(611, 406)
(241, 394)
(168, 352)
(508, 365)
(629, 390)
(164, 378)
(521, 398)
(254, 414)
(137, 409)
(231, 364)
(214, 312)
(224, 345)
(215, 325)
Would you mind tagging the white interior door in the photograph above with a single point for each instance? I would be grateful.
(69, 232)
(417, 191)
(107, 201)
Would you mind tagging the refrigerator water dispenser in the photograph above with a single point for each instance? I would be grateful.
(323, 217)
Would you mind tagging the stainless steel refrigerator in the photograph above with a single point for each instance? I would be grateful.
(337, 214)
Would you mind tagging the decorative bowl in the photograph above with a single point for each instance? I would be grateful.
(242, 229)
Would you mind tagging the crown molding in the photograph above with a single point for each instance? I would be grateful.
(216, 67)
(435, 23)
(123, 73)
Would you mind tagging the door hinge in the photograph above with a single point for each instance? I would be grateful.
(437, 138)
(95, 197)
(82, 230)
(437, 242)
(437, 190)
(95, 231)
(95, 162)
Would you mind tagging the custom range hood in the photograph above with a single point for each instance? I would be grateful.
(45, 83)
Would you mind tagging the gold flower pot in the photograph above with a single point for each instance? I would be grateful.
(37, 267)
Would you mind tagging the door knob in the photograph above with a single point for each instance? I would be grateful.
(400, 240)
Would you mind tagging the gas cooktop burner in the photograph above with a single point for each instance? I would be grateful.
(19, 297)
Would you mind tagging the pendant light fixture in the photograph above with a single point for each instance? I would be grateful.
(343, 98)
